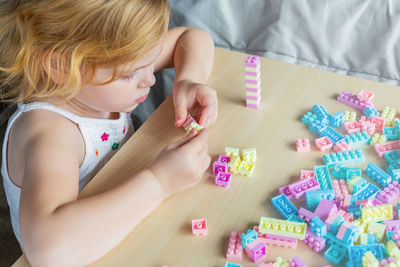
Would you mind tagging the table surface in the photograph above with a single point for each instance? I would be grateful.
(288, 92)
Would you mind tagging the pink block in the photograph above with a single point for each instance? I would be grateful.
(379, 123)
(266, 264)
(199, 227)
(299, 188)
(314, 242)
(253, 90)
(296, 262)
(325, 208)
(323, 143)
(223, 158)
(252, 73)
(306, 215)
(365, 95)
(352, 127)
(219, 167)
(256, 250)
(343, 229)
(364, 203)
(252, 61)
(389, 193)
(341, 147)
(252, 106)
(250, 97)
(382, 148)
(223, 179)
(340, 188)
(367, 126)
(252, 81)
(276, 240)
(235, 248)
(346, 202)
(303, 145)
(304, 174)
(285, 190)
(392, 225)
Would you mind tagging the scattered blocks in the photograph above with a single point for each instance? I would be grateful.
(299, 188)
(199, 227)
(303, 145)
(249, 154)
(381, 149)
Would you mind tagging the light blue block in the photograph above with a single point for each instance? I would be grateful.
(283, 205)
(346, 157)
(313, 198)
(336, 119)
(318, 227)
(335, 254)
(378, 175)
(323, 177)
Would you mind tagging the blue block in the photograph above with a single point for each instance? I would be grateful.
(346, 157)
(368, 192)
(335, 254)
(355, 210)
(359, 185)
(378, 175)
(370, 112)
(313, 198)
(392, 156)
(356, 252)
(318, 227)
(322, 113)
(340, 171)
(390, 133)
(323, 177)
(337, 222)
(351, 172)
(351, 235)
(332, 134)
(309, 118)
(248, 238)
(372, 239)
(357, 139)
(283, 205)
(295, 218)
(317, 127)
(230, 264)
(336, 119)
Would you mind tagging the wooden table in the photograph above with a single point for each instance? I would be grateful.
(288, 92)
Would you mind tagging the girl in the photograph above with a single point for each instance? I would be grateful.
(77, 68)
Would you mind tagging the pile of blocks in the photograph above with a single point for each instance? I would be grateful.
(253, 82)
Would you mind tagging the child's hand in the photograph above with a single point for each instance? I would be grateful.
(181, 165)
(198, 99)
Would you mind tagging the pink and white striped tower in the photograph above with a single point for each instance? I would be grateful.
(253, 82)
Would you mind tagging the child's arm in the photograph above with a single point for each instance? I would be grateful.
(59, 229)
(191, 52)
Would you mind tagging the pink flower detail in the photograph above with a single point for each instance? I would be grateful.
(124, 130)
(104, 137)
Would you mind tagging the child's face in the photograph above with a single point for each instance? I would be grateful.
(125, 93)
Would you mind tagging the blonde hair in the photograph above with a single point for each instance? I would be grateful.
(79, 34)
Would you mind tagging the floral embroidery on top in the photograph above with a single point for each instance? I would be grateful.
(97, 153)
(124, 130)
(115, 146)
(104, 137)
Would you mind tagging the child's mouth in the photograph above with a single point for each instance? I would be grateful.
(140, 100)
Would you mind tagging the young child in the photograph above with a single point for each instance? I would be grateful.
(77, 68)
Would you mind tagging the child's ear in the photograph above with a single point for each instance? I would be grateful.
(52, 64)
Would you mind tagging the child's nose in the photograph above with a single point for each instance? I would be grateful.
(148, 80)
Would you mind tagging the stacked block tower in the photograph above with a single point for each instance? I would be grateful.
(253, 82)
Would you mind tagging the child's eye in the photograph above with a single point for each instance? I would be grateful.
(128, 77)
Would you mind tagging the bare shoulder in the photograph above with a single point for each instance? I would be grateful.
(37, 129)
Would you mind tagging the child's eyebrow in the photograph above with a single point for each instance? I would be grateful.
(144, 66)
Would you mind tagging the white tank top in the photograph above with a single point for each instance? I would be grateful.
(102, 138)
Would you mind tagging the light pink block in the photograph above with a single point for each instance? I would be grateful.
(379, 123)
(323, 143)
(303, 145)
(199, 227)
(365, 95)
(304, 174)
(253, 106)
(285, 190)
(252, 73)
(342, 230)
(299, 188)
(352, 127)
(220, 167)
(253, 90)
(250, 97)
(325, 208)
(235, 248)
(276, 240)
(367, 126)
(256, 250)
(223, 179)
(341, 147)
(382, 148)
(252, 61)
(392, 225)
(252, 81)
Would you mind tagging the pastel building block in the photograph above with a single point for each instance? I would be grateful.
(355, 209)
(285, 191)
(365, 95)
(368, 192)
(299, 188)
(393, 250)
(323, 177)
(282, 227)
(392, 225)
(235, 248)
(321, 112)
(256, 250)
(349, 116)
(367, 239)
(223, 179)
(303, 145)
(199, 227)
(314, 242)
(297, 262)
(325, 208)
(323, 143)
(379, 123)
(249, 154)
(378, 175)
(382, 148)
(332, 240)
(283, 205)
(318, 227)
(223, 158)
(370, 112)
(392, 156)
(335, 254)
(304, 174)
(341, 147)
(347, 157)
(357, 252)
(357, 139)
(231, 264)
(377, 139)
(188, 126)
(357, 185)
(376, 229)
(368, 127)
(196, 126)
(389, 193)
(295, 218)
(246, 168)
(377, 213)
(306, 215)
(313, 198)
(219, 167)
(277, 240)
(390, 133)
(352, 172)
(231, 151)
(340, 171)
(309, 118)
(351, 235)
(249, 237)
(317, 127)
(332, 134)
(388, 113)
(336, 119)
(352, 127)
(340, 189)
(369, 260)
(352, 101)
(252, 61)
(234, 164)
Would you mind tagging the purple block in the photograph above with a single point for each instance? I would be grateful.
(314, 242)
(306, 215)
(285, 190)
(223, 158)
(223, 179)
(353, 101)
(325, 208)
(392, 225)
(252, 106)
(220, 167)
(252, 61)
(252, 81)
(250, 97)
(296, 262)
(299, 188)
(252, 73)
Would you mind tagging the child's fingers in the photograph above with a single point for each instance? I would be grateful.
(209, 113)
(197, 143)
(180, 111)
(184, 140)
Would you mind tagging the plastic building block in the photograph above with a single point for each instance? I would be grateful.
(389, 193)
(187, 124)
(347, 157)
(392, 156)
(325, 208)
(303, 145)
(235, 248)
(336, 119)
(223, 179)
(285, 190)
(340, 188)
(349, 116)
(299, 188)
(306, 215)
(332, 134)
(377, 139)
(335, 254)
(368, 127)
(392, 225)
(333, 223)
(314, 242)
(352, 172)
(390, 133)
(230, 264)
(295, 218)
(352, 101)
(340, 171)
(356, 184)
(352, 127)
(365, 95)
(394, 170)
(249, 154)
(318, 227)
(393, 250)
(199, 227)
(246, 168)
(369, 260)
(234, 164)
(283, 205)
(254, 104)
(223, 158)
(382, 148)
(219, 167)
(370, 112)
(369, 191)
(304, 174)
(357, 139)
(297, 262)
(378, 175)
(277, 240)
(253, 81)
(309, 118)
(256, 250)
(341, 147)
(323, 143)
(231, 151)
(355, 209)
(333, 240)
(356, 252)
(377, 213)
(351, 235)
(365, 203)
(313, 198)
(283, 228)
(376, 229)
(322, 113)
(388, 113)
(249, 237)
(317, 127)
(323, 177)
(367, 239)
(379, 123)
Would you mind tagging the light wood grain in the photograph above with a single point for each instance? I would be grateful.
(288, 91)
